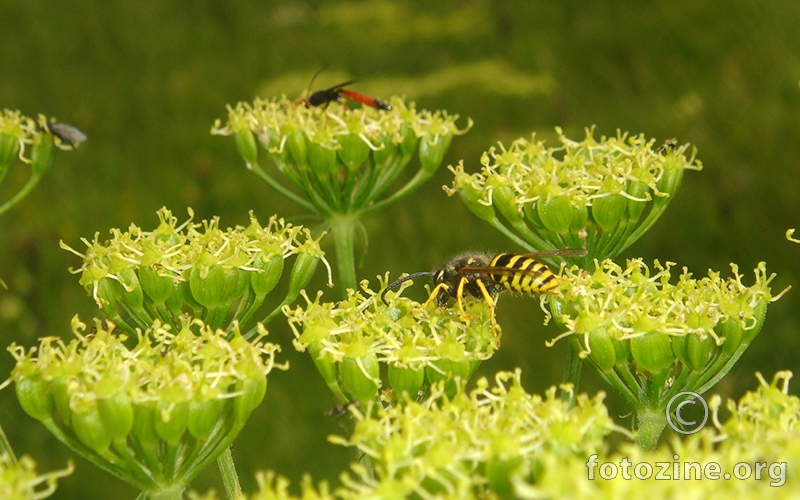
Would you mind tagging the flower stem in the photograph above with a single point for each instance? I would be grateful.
(650, 424)
(5, 448)
(572, 372)
(27, 188)
(228, 471)
(343, 230)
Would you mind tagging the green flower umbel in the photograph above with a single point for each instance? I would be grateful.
(342, 163)
(651, 339)
(599, 195)
(350, 340)
(18, 480)
(18, 132)
(155, 414)
(217, 275)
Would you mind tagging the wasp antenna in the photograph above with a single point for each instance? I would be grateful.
(400, 281)
(311, 83)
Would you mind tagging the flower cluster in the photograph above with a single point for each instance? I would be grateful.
(18, 132)
(342, 160)
(18, 480)
(154, 414)
(599, 195)
(349, 341)
(487, 439)
(138, 276)
(651, 339)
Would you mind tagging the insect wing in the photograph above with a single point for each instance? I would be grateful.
(558, 252)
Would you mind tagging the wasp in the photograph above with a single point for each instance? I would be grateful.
(482, 276)
(337, 93)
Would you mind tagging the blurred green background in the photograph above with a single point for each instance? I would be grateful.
(146, 80)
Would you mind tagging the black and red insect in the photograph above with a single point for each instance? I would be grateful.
(338, 93)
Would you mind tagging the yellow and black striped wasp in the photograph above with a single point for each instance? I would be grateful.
(483, 276)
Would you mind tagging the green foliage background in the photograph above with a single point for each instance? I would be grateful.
(145, 81)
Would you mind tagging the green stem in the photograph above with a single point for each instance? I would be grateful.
(277, 186)
(343, 230)
(5, 447)
(27, 188)
(572, 372)
(650, 423)
(174, 492)
(228, 471)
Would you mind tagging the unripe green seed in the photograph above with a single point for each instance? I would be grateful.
(60, 387)
(405, 380)
(9, 149)
(325, 365)
(128, 290)
(204, 415)
(410, 139)
(236, 283)
(733, 333)
(271, 269)
(608, 210)
(116, 413)
(700, 351)
(89, 428)
(669, 183)
(680, 345)
(431, 152)
(383, 154)
(760, 314)
(144, 427)
(637, 190)
(503, 200)
(170, 420)
(499, 473)
(208, 290)
(322, 159)
(35, 397)
(42, 154)
(580, 217)
(602, 350)
(354, 151)
(298, 148)
(157, 287)
(302, 271)
(652, 351)
(471, 196)
(555, 212)
(246, 145)
(623, 351)
(355, 382)
(253, 390)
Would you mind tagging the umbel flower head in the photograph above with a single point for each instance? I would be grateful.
(342, 161)
(350, 340)
(473, 443)
(219, 276)
(651, 339)
(154, 414)
(601, 195)
(19, 481)
(18, 132)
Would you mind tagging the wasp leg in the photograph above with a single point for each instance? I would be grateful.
(434, 294)
(490, 301)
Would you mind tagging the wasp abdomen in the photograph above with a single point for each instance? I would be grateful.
(530, 276)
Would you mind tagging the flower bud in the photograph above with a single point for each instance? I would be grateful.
(35, 397)
(652, 351)
(358, 376)
(608, 210)
(322, 159)
(354, 151)
(245, 142)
